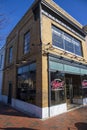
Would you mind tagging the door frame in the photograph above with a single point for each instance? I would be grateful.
(9, 99)
(70, 88)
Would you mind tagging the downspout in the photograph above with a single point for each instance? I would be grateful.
(49, 89)
(40, 44)
(40, 8)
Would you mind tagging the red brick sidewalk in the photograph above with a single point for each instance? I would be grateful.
(10, 119)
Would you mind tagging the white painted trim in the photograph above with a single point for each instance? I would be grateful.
(58, 109)
(84, 101)
(78, 101)
(45, 112)
(36, 111)
(27, 108)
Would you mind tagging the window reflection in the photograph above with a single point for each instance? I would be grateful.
(10, 54)
(26, 42)
(26, 89)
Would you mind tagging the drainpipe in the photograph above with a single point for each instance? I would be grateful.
(40, 8)
(49, 89)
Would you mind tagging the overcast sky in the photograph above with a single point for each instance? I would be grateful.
(13, 10)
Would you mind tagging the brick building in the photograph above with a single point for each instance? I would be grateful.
(45, 70)
(2, 57)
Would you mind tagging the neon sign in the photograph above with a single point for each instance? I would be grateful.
(84, 83)
(57, 84)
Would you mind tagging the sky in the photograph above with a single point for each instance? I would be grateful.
(13, 10)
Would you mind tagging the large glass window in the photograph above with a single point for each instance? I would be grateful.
(57, 85)
(64, 41)
(77, 47)
(68, 43)
(57, 38)
(10, 54)
(26, 42)
(26, 88)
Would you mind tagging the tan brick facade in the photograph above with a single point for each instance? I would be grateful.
(16, 40)
(40, 43)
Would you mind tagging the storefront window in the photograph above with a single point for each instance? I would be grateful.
(84, 86)
(57, 85)
(26, 89)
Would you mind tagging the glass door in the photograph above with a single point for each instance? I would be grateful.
(69, 91)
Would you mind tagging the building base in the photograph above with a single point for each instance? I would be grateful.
(36, 111)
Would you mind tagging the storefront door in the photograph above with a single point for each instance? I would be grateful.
(69, 91)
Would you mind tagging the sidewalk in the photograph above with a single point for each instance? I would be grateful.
(11, 119)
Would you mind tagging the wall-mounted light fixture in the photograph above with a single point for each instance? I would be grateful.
(74, 57)
(63, 53)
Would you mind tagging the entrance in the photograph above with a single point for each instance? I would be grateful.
(73, 90)
(69, 91)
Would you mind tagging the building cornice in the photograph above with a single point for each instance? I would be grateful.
(85, 29)
(61, 15)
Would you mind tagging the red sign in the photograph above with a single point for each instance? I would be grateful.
(57, 83)
(84, 83)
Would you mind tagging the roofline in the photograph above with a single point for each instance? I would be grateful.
(32, 5)
(45, 3)
(62, 16)
(67, 13)
(85, 29)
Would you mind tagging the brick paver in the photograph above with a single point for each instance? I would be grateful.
(11, 119)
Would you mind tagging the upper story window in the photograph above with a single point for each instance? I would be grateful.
(1, 58)
(65, 41)
(10, 54)
(26, 42)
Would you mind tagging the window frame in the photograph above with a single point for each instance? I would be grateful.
(10, 54)
(64, 34)
(26, 45)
